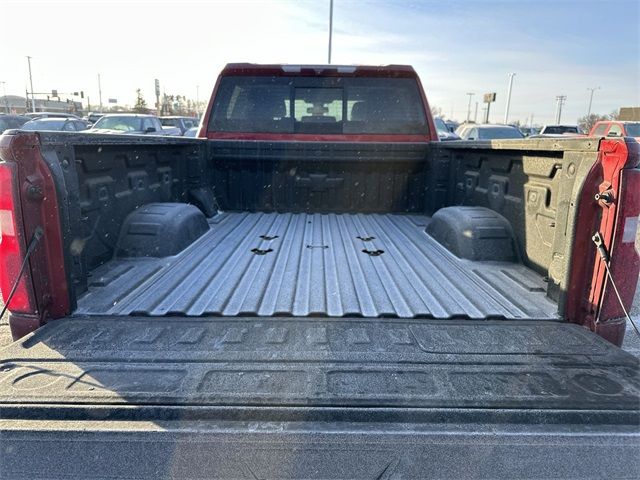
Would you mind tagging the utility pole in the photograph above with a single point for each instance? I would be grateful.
(100, 92)
(33, 99)
(4, 94)
(591, 100)
(560, 99)
(506, 111)
(469, 106)
(475, 116)
(330, 28)
(531, 124)
(198, 101)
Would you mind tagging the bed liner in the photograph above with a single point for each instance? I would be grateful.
(286, 264)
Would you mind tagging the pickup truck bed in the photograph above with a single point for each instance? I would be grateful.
(286, 397)
(313, 264)
(227, 360)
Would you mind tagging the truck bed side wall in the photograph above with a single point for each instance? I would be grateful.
(536, 190)
(533, 185)
(107, 181)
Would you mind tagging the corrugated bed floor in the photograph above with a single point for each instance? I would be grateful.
(314, 264)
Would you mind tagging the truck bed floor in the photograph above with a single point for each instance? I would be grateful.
(314, 264)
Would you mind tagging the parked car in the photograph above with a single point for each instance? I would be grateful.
(56, 124)
(613, 128)
(132, 124)
(317, 289)
(183, 123)
(452, 125)
(8, 122)
(444, 134)
(528, 131)
(472, 131)
(192, 132)
(35, 115)
(93, 117)
(559, 131)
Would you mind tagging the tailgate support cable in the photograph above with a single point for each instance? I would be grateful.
(602, 251)
(37, 235)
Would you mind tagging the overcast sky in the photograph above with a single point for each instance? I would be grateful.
(555, 47)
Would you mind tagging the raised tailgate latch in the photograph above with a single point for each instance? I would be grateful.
(605, 195)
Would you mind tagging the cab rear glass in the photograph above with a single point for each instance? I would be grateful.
(328, 105)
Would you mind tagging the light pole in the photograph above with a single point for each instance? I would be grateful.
(469, 106)
(198, 101)
(33, 99)
(591, 100)
(560, 99)
(506, 111)
(330, 28)
(4, 94)
(100, 92)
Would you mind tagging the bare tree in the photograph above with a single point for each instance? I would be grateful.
(141, 104)
(587, 123)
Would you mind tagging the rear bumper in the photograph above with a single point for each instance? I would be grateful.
(186, 398)
(444, 446)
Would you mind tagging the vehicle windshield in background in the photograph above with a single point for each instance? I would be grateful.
(560, 130)
(499, 133)
(330, 105)
(9, 122)
(53, 124)
(632, 129)
(124, 124)
(440, 125)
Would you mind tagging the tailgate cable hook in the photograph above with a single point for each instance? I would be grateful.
(604, 255)
(37, 235)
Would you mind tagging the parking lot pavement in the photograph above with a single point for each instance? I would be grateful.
(631, 339)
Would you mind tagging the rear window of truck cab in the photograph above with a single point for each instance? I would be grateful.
(318, 105)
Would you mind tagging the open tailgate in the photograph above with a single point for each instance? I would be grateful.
(135, 397)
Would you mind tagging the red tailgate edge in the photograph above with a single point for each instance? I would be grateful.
(591, 299)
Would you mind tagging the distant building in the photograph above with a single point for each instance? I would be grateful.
(18, 105)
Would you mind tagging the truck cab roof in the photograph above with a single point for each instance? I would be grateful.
(319, 70)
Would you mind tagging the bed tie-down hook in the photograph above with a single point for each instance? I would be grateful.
(604, 255)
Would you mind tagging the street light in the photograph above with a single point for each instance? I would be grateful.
(198, 101)
(469, 106)
(330, 28)
(506, 111)
(560, 99)
(33, 98)
(591, 100)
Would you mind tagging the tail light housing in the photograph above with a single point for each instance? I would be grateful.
(13, 245)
